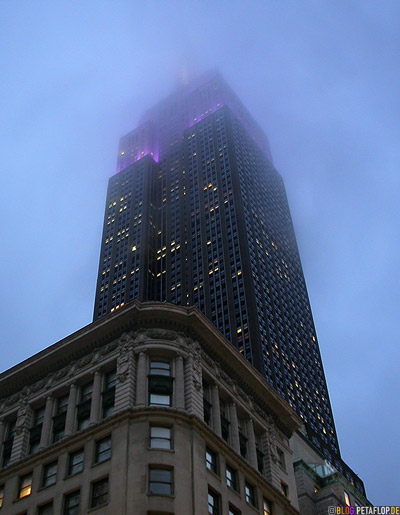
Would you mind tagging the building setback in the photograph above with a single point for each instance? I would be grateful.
(197, 215)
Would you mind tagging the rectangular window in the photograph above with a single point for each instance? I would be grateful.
(160, 481)
(160, 383)
(46, 509)
(59, 418)
(211, 460)
(1, 495)
(214, 503)
(25, 486)
(243, 444)
(75, 462)
(103, 450)
(233, 511)
(108, 396)
(8, 443)
(83, 408)
(346, 498)
(160, 437)
(284, 489)
(232, 478)
(49, 474)
(281, 458)
(35, 431)
(99, 493)
(71, 503)
(250, 494)
(267, 509)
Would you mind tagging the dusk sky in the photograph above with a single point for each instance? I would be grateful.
(322, 78)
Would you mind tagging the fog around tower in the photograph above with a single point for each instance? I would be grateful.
(321, 80)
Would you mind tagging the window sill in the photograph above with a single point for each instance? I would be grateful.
(252, 506)
(46, 486)
(100, 462)
(230, 489)
(172, 451)
(214, 474)
(90, 510)
(164, 496)
(67, 476)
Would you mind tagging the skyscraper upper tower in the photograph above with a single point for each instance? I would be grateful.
(197, 215)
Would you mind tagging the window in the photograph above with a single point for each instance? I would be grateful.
(83, 408)
(1, 495)
(284, 489)
(103, 450)
(160, 383)
(250, 494)
(213, 503)
(211, 460)
(260, 460)
(225, 428)
(160, 481)
(46, 509)
(75, 462)
(232, 478)
(160, 437)
(8, 443)
(25, 486)
(267, 509)
(108, 397)
(49, 474)
(233, 511)
(281, 458)
(346, 498)
(99, 493)
(36, 430)
(71, 503)
(243, 444)
(59, 418)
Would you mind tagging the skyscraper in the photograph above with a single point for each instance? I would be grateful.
(197, 215)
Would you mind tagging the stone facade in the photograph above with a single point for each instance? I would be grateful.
(149, 410)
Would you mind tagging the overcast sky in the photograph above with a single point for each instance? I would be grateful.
(321, 78)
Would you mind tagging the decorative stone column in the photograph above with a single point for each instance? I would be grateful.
(96, 399)
(21, 438)
(179, 383)
(234, 427)
(216, 411)
(141, 379)
(71, 411)
(46, 428)
(126, 375)
(251, 440)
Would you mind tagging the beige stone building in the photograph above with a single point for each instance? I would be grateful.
(148, 411)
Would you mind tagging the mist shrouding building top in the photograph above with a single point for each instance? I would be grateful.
(197, 215)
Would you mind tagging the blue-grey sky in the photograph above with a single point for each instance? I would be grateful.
(320, 77)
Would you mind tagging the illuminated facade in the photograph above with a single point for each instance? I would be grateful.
(197, 215)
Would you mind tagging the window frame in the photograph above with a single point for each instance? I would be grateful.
(70, 496)
(97, 453)
(151, 483)
(267, 506)
(211, 464)
(251, 497)
(234, 478)
(22, 487)
(153, 439)
(95, 484)
(46, 477)
(70, 465)
(217, 498)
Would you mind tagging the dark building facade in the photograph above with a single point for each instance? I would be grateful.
(197, 215)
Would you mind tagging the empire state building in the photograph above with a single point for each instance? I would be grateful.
(197, 214)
